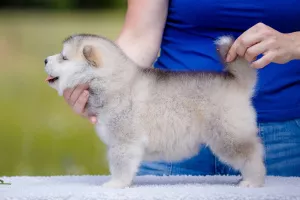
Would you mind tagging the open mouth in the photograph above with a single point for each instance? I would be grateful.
(51, 79)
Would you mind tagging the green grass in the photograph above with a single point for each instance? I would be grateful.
(39, 133)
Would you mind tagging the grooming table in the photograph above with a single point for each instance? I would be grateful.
(146, 188)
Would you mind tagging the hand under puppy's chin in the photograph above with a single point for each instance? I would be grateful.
(67, 84)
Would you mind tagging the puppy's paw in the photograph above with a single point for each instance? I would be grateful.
(115, 184)
(249, 184)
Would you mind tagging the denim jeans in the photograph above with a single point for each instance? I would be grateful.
(282, 155)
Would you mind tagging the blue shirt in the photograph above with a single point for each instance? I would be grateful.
(188, 44)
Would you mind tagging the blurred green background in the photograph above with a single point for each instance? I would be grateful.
(40, 134)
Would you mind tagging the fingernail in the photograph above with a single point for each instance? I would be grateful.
(86, 93)
(94, 120)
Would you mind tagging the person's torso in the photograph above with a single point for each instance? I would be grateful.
(193, 25)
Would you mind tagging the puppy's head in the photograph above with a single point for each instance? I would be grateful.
(82, 57)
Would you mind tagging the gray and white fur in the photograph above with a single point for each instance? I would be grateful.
(153, 115)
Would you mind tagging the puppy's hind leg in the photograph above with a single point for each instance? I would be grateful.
(124, 160)
(241, 149)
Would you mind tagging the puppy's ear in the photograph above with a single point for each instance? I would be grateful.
(92, 55)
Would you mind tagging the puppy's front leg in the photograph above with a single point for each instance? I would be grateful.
(124, 161)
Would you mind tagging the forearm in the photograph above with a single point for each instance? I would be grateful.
(143, 50)
(295, 36)
(141, 34)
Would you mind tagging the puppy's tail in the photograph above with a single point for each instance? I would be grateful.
(240, 69)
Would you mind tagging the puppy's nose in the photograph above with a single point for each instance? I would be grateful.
(46, 61)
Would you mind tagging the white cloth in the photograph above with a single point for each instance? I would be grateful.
(146, 188)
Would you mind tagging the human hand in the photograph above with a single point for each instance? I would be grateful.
(261, 39)
(77, 98)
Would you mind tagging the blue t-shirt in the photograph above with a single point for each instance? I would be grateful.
(188, 44)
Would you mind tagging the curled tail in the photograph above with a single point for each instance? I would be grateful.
(240, 69)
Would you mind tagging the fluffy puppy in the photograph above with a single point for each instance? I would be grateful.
(150, 114)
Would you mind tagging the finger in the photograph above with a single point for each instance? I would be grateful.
(264, 61)
(67, 93)
(244, 41)
(76, 93)
(256, 50)
(79, 105)
(93, 119)
(232, 54)
(84, 113)
(241, 45)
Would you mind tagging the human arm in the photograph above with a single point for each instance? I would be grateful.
(142, 31)
(275, 46)
(140, 39)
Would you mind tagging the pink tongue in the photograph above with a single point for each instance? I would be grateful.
(49, 78)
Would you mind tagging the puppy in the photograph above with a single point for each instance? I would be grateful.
(153, 115)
